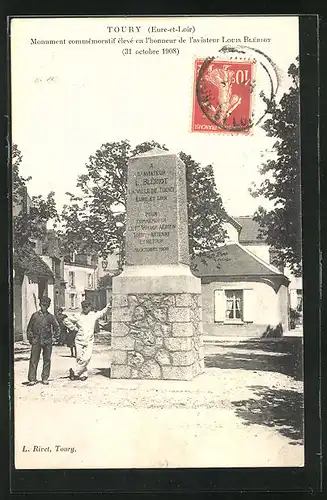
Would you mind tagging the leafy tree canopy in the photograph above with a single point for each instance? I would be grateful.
(281, 225)
(30, 215)
(96, 220)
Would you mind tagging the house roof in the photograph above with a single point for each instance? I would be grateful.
(232, 221)
(250, 231)
(234, 260)
(31, 264)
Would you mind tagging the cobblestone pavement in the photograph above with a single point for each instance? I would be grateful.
(243, 411)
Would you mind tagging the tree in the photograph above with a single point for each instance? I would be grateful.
(281, 225)
(29, 218)
(96, 220)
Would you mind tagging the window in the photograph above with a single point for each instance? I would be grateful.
(234, 304)
(71, 279)
(90, 280)
(72, 301)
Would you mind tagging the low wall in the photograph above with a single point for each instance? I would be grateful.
(245, 330)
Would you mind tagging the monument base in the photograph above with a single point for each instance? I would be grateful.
(157, 335)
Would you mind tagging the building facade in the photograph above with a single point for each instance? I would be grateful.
(32, 279)
(80, 273)
(242, 296)
(51, 255)
(36, 273)
(249, 237)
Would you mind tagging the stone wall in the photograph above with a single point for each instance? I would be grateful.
(157, 336)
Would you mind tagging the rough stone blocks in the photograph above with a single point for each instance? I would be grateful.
(179, 314)
(183, 329)
(178, 343)
(183, 358)
(122, 343)
(184, 300)
(120, 371)
(157, 336)
(119, 357)
(177, 373)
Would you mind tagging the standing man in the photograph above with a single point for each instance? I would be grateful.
(84, 339)
(40, 331)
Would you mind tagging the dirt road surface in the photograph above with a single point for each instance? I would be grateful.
(244, 411)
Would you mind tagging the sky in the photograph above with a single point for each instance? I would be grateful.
(68, 99)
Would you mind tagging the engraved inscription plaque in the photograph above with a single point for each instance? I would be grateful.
(156, 231)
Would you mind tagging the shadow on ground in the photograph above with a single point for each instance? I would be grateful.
(22, 358)
(104, 372)
(22, 350)
(283, 356)
(277, 408)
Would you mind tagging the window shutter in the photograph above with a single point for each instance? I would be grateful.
(248, 305)
(220, 305)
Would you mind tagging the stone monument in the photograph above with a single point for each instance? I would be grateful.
(156, 307)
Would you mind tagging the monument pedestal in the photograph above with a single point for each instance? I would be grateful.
(156, 309)
(157, 323)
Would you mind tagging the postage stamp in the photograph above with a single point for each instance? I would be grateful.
(222, 97)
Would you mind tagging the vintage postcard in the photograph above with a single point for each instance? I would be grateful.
(157, 268)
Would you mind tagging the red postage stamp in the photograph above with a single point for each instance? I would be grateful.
(222, 100)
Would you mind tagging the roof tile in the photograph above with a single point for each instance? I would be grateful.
(234, 261)
(250, 232)
(26, 260)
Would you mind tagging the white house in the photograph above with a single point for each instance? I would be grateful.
(249, 238)
(241, 294)
(80, 273)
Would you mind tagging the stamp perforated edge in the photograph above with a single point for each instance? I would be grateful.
(221, 57)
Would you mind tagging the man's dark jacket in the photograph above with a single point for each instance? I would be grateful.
(41, 328)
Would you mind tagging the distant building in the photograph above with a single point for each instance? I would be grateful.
(108, 266)
(32, 279)
(249, 237)
(51, 255)
(243, 293)
(37, 272)
(80, 273)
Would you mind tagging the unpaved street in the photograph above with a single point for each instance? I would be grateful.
(244, 411)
